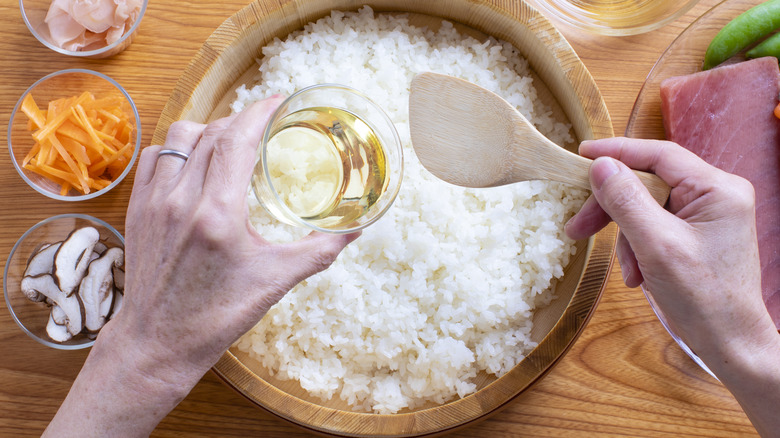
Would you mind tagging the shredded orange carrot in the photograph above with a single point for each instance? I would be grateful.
(58, 115)
(72, 165)
(81, 143)
(65, 188)
(30, 108)
(777, 111)
(30, 155)
(76, 149)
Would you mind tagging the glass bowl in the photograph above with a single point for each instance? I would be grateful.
(110, 43)
(62, 85)
(32, 317)
(330, 160)
(616, 18)
(684, 56)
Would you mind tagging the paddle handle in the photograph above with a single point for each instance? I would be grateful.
(577, 174)
(657, 187)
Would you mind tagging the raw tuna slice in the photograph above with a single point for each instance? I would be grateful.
(725, 116)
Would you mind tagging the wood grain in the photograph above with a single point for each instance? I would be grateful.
(624, 376)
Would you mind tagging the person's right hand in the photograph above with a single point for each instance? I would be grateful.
(698, 258)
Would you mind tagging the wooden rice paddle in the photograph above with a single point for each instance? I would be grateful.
(471, 137)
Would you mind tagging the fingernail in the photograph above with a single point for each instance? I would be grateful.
(601, 169)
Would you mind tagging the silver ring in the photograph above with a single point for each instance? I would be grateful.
(179, 154)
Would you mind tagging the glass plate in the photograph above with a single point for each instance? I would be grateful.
(684, 56)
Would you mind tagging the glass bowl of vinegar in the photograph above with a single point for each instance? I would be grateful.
(616, 17)
(330, 160)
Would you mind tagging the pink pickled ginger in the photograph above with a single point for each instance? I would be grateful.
(90, 24)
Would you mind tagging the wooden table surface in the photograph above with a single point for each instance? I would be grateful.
(625, 376)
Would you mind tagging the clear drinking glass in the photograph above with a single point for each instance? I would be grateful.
(330, 160)
(616, 17)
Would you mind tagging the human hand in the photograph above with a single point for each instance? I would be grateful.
(698, 258)
(198, 275)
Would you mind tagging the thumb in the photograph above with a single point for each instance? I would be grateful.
(625, 199)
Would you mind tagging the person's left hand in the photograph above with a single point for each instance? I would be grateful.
(198, 275)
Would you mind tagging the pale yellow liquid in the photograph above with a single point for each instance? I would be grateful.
(617, 13)
(327, 165)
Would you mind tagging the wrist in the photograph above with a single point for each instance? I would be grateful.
(142, 360)
(122, 390)
(747, 362)
(751, 372)
(739, 348)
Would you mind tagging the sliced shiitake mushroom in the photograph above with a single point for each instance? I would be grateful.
(119, 278)
(97, 288)
(44, 284)
(58, 315)
(41, 262)
(116, 306)
(57, 332)
(73, 257)
(80, 278)
(100, 248)
(37, 249)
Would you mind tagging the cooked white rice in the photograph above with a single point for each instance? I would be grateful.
(445, 284)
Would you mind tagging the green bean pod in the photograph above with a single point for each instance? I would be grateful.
(742, 31)
(768, 47)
